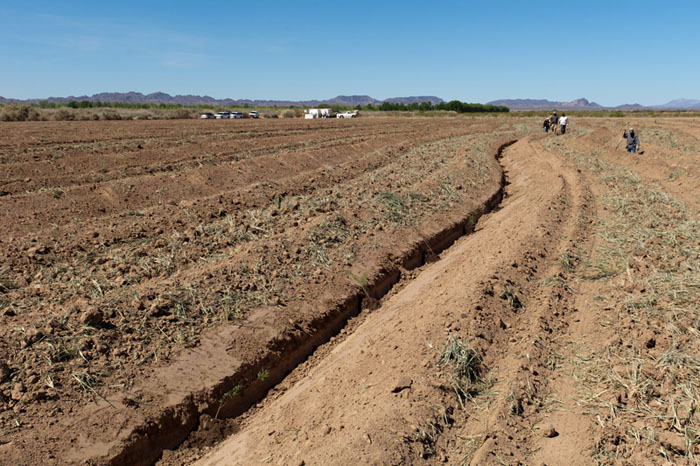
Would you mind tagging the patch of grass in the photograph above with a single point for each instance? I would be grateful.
(512, 297)
(567, 262)
(230, 304)
(515, 405)
(465, 361)
(427, 437)
(600, 272)
(55, 192)
(318, 255)
(133, 213)
(362, 280)
(88, 382)
(675, 174)
(396, 209)
(235, 391)
(259, 223)
(449, 192)
(465, 365)
(61, 351)
(467, 446)
(6, 282)
(649, 245)
(330, 233)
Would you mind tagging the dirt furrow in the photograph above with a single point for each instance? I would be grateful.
(83, 165)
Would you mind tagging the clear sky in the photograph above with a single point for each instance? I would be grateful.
(611, 52)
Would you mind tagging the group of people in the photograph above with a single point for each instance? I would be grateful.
(551, 122)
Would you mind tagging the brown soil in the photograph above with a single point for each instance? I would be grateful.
(150, 270)
(158, 278)
(575, 366)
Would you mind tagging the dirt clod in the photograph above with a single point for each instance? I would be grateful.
(32, 335)
(672, 441)
(4, 372)
(402, 384)
(91, 317)
(548, 431)
(18, 391)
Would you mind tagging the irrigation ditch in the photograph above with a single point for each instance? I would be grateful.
(217, 384)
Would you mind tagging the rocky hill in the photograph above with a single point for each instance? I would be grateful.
(543, 104)
(682, 104)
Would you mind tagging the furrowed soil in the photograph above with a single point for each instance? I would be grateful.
(280, 292)
(156, 272)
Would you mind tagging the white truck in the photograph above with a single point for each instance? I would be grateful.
(313, 113)
(347, 114)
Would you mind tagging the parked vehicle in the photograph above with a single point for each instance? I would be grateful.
(220, 115)
(236, 115)
(253, 114)
(207, 115)
(347, 114)
(313, 113)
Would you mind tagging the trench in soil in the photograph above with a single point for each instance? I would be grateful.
(173, 426)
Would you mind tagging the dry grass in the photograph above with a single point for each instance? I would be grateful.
(643, 387)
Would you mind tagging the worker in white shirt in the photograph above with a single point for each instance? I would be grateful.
(563, 121)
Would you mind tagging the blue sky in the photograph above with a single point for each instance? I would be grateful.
(611, 52)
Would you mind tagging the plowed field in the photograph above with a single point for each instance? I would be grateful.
(370, 291)
(163, 267)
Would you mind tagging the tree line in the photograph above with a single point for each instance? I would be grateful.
(453, 105)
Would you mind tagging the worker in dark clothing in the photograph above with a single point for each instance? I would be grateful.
(632, 140)
(545, 125)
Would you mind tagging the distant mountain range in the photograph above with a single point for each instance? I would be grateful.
(533, 104)
(682, 103)
(347, 100)
(163, 98)
(584, 104)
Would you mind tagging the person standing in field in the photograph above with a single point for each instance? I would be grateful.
(632, 140)
(545, 125)
(563, 121)
(553, 121)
